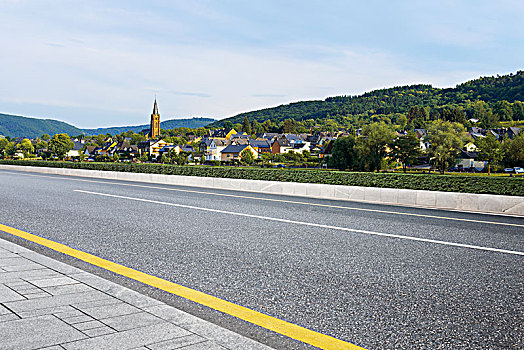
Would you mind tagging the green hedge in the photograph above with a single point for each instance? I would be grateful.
(512, 186)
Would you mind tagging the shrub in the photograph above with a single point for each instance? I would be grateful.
(513, 186)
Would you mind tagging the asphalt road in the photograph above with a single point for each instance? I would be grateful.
(320, 264)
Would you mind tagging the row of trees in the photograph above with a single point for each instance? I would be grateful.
(58, 146)
(416, 117)
(378, 148)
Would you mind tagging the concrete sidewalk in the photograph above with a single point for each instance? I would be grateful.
(46, 304)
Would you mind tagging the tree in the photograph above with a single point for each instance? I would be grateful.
(46, 137)
(489, 149)
(3, 145)
(40, 145)
(26, 147)
(343, 153)
(417, 116)
(518, 110)
(246, 127)
(402, 121)
(513, 151)
(136, 138)
(483, 112)
(256, 128)
(10, 149)
(60, 144)
(289, 126)
(247, 156)
(406, 149)
(446, 139)
(371, 147)
(503, 110)
(100, 140)
(180, 158)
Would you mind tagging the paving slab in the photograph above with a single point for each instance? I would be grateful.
(61, 307)
(130, 339)
(177, 342)
(7, 294)
(37, 332)
(101, 312)
(126, 322)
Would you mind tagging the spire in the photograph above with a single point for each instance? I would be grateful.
(155, 108)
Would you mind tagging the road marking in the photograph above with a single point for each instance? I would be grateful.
(274, 324)
(373, 233)
(303, 203)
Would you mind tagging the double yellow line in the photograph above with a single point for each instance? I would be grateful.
(271, 323)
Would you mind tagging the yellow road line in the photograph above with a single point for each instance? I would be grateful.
(302, 203)
(271, 323)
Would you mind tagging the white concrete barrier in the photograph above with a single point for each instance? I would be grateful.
(470, 202)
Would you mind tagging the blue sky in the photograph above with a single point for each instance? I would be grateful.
(100, 63)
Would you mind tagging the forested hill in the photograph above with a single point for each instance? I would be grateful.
(400, 99)
(16, 126)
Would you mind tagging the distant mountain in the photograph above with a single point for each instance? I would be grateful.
(192, 123)
(392, 100)
(16, 126)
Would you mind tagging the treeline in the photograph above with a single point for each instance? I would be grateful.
(378, 147)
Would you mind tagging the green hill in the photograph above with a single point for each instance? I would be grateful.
(16, 126)
(393, 100)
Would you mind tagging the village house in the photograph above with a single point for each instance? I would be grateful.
(261, 146)
(212, 148)
(469, 160)
(233, 152)
(151, 147)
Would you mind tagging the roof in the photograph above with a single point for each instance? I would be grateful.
(283, 142)
(146, 143)
(514, 130)
(90, 149)
(259, 143)
(477, 135)
(240, 136)
(234, 148)
(220, 132)
(299, 145)
(78, 145)
(207, 141)
(220, 142)
(468, 155)
(122, 144)
(293, 138)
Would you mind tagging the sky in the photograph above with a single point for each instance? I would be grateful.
(101, 63)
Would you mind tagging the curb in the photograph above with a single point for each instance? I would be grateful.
(467, 202)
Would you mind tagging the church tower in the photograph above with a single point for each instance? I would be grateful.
(154, 130)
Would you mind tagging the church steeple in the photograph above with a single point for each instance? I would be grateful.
(155, 108)
(154, 130)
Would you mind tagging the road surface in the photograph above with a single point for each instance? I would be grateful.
(381, 277)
